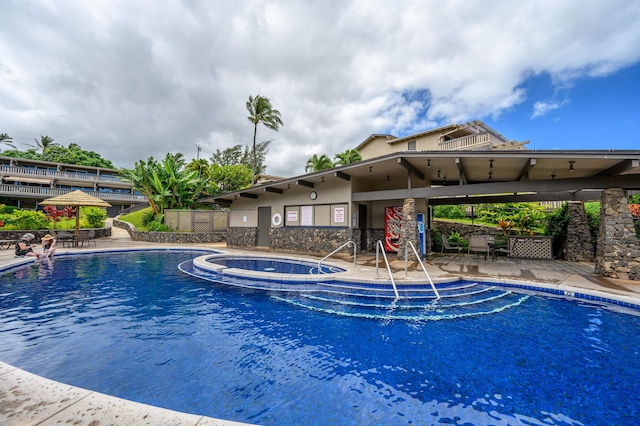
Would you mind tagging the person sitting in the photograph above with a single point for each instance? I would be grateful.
(24, 247)
(48, 244)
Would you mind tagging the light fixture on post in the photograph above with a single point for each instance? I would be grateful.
(428, 163)
(571, 166)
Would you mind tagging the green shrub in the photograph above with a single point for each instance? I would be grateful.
(29, 220)
(449, 212)
(148, 218)
(4, 209)
(455, 237)
(94, 216)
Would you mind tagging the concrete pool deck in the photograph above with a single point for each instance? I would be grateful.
(27, 399)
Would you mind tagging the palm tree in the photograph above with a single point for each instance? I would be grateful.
(45, 143)
(261, 111)
(317, 163)
(348, 157)
(7, 140)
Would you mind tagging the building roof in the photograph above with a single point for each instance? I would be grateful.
(467, 177)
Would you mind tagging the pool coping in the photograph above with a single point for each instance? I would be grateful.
(29, 399)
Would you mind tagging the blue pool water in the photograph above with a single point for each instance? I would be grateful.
(272, 265)
(133, 326)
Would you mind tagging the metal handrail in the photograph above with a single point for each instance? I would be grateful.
(406, 261)
(379, 248)
(337, 250)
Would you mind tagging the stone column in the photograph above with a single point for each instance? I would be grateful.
(409, 231)
(618, 253)
(578, 245)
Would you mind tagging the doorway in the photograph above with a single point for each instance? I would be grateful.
(264, 226)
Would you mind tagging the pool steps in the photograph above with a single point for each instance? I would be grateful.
(331, 294)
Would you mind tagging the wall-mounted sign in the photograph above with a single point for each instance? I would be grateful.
(306, 215)
(292, 216)
(338, 214)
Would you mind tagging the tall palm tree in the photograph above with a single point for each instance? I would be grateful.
(261, 111)
(45, 143)
(7, 140)
(349, 156)
(317, 163)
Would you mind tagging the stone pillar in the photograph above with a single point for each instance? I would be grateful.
(409, 230)
(579, 246)
(618, 253)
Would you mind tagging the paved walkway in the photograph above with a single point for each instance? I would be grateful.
(27, 399)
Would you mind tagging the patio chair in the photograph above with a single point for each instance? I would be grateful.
(446, 245)
(479, 245)
(66, 239)
(86, 236)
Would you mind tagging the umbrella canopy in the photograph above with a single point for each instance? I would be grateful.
(76, 198)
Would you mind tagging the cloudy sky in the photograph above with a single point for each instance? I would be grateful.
(133, 79)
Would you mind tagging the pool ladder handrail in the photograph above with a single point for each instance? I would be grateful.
(406, 262)
(335, 251)
(380, 248)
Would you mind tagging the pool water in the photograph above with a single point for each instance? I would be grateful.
(133, 326)
(272, 265)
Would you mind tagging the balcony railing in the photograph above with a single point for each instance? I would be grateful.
(44, 192)
(477, 141)
(29, 171)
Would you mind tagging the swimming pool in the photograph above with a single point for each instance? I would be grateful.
(133, 326)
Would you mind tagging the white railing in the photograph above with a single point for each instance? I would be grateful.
(335, 251)
(406, 262)
(45, 192)
(29, 171)
(468, 142)
(380, 248)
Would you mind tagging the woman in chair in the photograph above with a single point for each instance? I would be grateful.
(48, 244)
(24, 247)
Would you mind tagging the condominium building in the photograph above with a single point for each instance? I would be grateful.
(24, 183)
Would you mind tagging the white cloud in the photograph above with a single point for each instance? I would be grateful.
(134, 79)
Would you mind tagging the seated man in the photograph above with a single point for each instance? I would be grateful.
(48, 244)
(24, 247)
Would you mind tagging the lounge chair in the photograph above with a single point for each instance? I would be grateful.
(446, 245)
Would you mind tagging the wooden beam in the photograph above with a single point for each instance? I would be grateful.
(524, 173)
(407, 165)
(342, 175)
(304, 183)
(621, 167)
(247, 195)
(273, 190)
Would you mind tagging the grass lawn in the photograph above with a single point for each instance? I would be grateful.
(135, 218)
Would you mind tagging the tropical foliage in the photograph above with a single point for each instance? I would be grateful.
(167, 184)
(45, 143)
(73, 154)
(6, 139)
(349, 156)
(261, 111)
(317, 163)
(242, 155)
(50, 218)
